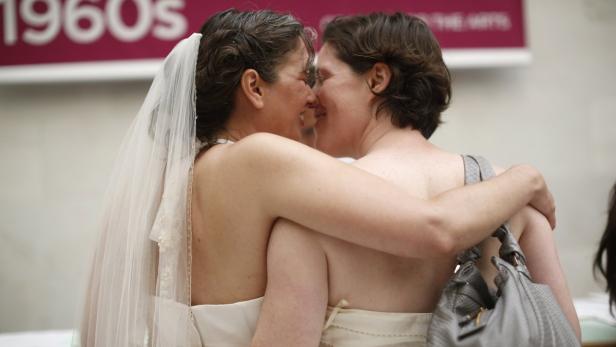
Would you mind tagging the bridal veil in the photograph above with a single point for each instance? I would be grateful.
(139, 286)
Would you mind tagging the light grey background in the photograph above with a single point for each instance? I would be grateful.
(58, 142)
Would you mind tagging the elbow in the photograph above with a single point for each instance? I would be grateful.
(536, 179)
(444, 241)
(444, 244)
(440, 241)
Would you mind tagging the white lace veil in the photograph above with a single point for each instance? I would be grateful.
(139, 287)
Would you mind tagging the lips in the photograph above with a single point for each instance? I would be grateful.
(320, 112)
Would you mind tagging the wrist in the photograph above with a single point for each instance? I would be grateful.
(534, 178)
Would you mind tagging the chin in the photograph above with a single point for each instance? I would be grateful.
(295, 136)
(327, 148)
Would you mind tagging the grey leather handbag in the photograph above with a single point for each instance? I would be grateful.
(521, 313)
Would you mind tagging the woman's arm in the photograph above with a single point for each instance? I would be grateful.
(290, 180)
(537, 241)
(295, 303)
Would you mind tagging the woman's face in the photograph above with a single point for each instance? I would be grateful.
(308, 132)
(289, 97)
(343, 109)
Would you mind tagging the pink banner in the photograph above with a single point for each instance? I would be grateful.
(63, 31)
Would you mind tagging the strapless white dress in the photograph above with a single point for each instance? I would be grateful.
(233, 325)
(363, 328)
(228, 325)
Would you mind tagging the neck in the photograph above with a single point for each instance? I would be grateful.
(237, 127)
(381, 134)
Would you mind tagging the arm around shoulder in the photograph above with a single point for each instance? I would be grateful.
(289, 180)
(470, 214)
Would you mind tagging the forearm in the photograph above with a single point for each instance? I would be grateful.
(389, 220)
(469, 215)
(537, 242)
(295, 302)
(292, 181)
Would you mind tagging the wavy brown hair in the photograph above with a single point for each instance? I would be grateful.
(605, 259)
(232, 42)
(420, 86)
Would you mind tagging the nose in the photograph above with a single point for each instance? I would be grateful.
(312, 97)
(316, 87)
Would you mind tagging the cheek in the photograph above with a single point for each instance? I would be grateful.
(336, 103)
(326, 97)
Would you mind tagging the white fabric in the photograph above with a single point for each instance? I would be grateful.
(363, 328)
(139, 290)
(233, 325)
(228, 325)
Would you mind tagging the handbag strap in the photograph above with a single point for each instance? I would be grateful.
(477, 169)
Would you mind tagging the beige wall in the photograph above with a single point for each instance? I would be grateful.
(558, 114)
(57, 144)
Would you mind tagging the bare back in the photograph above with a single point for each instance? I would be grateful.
(373, 280)
(229, 235)
(240, 190)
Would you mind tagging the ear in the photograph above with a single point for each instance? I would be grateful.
(378, 77)
(251, 85)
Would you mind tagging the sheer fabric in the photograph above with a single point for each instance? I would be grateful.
(139, 288)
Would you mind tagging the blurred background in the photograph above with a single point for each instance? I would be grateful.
(554, 108)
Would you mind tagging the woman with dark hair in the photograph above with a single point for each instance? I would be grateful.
(605, 260)
(208, 167)
(381, 87)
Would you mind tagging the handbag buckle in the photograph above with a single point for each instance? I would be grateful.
(467, 329)
(478, 315)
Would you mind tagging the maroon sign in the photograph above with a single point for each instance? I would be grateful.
(68, 31)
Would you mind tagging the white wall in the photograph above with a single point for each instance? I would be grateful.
(558, 114)
(57, 144)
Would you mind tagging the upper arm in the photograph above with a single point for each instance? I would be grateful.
(296, 296)
(289, 180)
(286, 179)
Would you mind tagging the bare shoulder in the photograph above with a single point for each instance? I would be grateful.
(498, 169)
(266, 142)
(254, 148)
(258, 163)
(266, 149)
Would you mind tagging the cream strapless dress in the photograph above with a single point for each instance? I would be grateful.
(233, 325)
(228, 325)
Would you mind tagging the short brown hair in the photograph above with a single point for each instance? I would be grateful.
(232, 42)
(420, 86)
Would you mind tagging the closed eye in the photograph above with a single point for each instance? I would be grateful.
(321, 75)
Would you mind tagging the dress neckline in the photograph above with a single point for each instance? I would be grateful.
(223, 141)
(200, 146)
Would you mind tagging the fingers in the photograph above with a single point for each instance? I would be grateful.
(545, 204)
(552, 214)
(543, 200)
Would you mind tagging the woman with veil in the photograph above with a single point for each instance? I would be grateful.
(210, 164)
